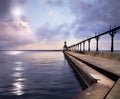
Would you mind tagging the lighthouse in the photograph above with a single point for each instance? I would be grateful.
(65, 46)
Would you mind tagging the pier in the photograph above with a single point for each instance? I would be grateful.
(78, 46)
(99, 70)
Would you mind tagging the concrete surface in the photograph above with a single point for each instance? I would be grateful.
(112, 66)
(115, 92)
(107, 85)
(108, 55)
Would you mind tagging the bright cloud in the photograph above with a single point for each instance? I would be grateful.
(15, 31)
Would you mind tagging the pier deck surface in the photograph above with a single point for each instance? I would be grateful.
(111, 66)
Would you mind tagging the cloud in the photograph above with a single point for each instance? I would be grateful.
(5, 6)
(69, 19)
(54, 2)
(91, 16)
(94, 16)
(48, 34)
(38, 46)
(14, 31)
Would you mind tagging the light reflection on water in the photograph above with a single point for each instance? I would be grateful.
(17, 74)
(14, 52)
(20, 80)
(18, 84)
(18, 63)
(18, 88)
(18, 69)
(37, 74)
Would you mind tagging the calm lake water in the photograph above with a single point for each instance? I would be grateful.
(36, 75)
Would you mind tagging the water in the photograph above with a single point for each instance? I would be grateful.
(36, 75)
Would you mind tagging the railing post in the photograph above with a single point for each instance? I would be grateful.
(76, 47)
(83, 46)
(97, 39)
(73, 48)
(80, 47)
(112, 34)
(89, 40)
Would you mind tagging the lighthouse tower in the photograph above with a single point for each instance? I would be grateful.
(65, 46)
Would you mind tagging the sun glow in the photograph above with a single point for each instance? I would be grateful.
(17, 11)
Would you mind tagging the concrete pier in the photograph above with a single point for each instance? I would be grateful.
(101, 75)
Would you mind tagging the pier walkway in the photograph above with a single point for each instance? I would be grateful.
(103, 63)
(106, 72)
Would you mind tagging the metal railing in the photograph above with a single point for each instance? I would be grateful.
(78, 46)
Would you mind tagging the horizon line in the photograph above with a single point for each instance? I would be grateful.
(33, 50)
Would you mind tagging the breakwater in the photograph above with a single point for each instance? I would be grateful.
(101, 75)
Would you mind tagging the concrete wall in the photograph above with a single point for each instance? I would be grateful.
(88, 79)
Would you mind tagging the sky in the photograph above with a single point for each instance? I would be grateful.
(46, 24)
